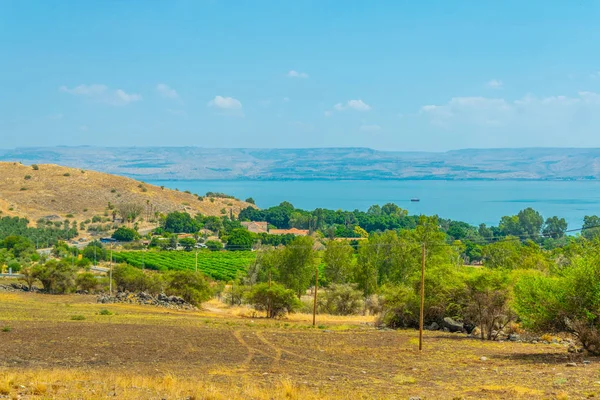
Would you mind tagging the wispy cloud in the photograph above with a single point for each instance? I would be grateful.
(102, 94)
(295, 74)
(494, 84)
(166, 91)
(528, 110)
(357, 105)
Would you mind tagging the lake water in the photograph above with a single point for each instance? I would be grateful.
(470, 201)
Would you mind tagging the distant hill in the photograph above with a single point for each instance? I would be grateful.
(55, 191)
(321, 163)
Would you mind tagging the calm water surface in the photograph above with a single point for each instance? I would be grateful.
(470, 201)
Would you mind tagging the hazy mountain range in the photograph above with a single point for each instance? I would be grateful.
(320, 163)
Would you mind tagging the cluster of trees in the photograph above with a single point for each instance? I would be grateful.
(45, 235)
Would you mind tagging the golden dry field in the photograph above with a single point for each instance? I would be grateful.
(62, 347)
(57, 190)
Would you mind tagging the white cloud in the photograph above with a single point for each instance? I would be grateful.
(296, 74)
(85, 90)
(102, 94)
(526, 111)
(357, 105)
(56, 116)
(494, 84)
(126, 98)
(370, 127)
(166, 91)
(225, 103)
(327, 113)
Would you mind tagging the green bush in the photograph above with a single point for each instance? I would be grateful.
(275, 300)
(6, 329)
(567, 302)
(191, 286)
(104, 311)
(214, 245)
(340, 299)
(77, 317)
(123, 234)
(131, 279)
(87, 282)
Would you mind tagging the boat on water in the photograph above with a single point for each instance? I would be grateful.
(415, 200)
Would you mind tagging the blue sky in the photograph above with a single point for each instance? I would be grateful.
(391, 75)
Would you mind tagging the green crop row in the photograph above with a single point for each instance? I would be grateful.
(223, 265)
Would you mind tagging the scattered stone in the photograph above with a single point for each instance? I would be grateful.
(587, 362)
(483, 358)
(433, 327)
(452, 325)
(161, 300)
(571, 364)
(513, 337)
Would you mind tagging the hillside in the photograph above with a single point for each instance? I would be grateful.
(54, 190)
(321, 163)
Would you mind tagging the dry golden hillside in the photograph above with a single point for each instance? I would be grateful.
(55, 190)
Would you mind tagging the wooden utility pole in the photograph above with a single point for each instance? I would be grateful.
(315, 300)
(422, 309)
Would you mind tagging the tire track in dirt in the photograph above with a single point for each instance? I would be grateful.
(277, 358)
(251, 351)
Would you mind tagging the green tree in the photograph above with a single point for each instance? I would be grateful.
(180, 222)
(191, 286)
(250, 200)
(187, 243)
(298, 264)
(124, 234)
(57, 277)
(275, 299)
(338, 258)
(555, 227)
(341, 299)
(214, 245)
(591, 227)
(240, 239)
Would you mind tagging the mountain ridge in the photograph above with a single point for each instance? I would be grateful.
(331, 163)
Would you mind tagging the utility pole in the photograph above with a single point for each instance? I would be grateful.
(422, 308)
(315, 300)
(111, 269)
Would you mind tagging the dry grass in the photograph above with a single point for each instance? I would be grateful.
(86, 194)
(143, 352)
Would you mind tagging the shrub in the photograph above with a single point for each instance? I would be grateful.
(214, 245)
(69, 216)
(87, 282)
(23, 189)
(27, 177)
(104, 311)
(341, 299)
(275, 300)
(191, 286)
(568, 302)
(250, 200)
(14, 265)
(66, 174)
(128, 278)
(487, 296)
(124, 234)
(77, 317)
(6, 329)
(35, 167)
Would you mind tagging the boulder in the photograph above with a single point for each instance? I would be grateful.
(452, 325)
(433, 327)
